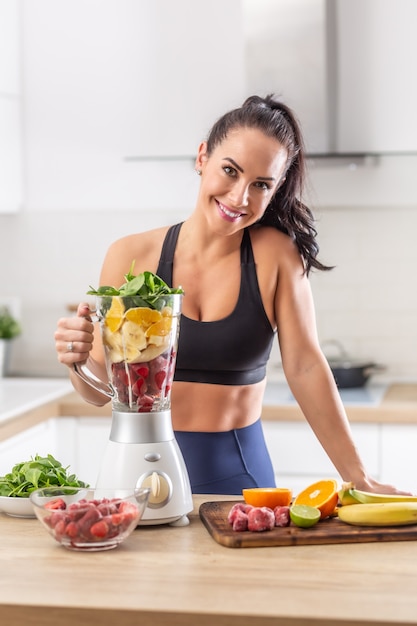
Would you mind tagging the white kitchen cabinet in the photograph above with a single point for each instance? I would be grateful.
(77, 442)
(399, 459)
(92, 437)
(299, 459)
(39, 439)
(10, 155)
(10, 107)
(10, 47)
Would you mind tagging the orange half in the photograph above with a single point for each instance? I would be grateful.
(322, 494)
(267, 496)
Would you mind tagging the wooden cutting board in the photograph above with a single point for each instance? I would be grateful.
(331, 530)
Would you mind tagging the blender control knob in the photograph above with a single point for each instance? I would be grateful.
(155, 485)
(160, 489)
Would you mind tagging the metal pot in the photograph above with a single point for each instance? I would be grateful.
(350, 373)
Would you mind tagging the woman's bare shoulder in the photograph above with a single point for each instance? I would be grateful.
(271, 240)
(146, 238)
(140, 249)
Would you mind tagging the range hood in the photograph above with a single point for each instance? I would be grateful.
(347, 68)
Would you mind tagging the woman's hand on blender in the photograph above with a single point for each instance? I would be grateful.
(74, 336)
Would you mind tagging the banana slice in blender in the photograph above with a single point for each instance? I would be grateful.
(113, 344)
(134, 340)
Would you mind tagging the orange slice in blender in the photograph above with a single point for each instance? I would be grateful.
(160, 328)
(143, 316)
(114, 316)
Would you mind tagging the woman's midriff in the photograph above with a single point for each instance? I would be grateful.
(212, 408)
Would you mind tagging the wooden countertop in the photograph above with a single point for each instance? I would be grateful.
(164, 575)
(397, 406)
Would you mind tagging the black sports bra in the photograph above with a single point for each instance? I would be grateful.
(230, 351)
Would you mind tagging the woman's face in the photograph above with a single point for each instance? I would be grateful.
(240, 176)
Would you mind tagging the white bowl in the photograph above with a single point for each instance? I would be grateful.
(16, 507)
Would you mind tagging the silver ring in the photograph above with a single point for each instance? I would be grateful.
(70, 346)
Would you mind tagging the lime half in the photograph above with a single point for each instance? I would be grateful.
(304, 516)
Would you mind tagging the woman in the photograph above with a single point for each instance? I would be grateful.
(243, 258)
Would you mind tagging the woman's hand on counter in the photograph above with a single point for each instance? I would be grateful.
(371, 485)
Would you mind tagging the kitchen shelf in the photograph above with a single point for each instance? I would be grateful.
(329, 159)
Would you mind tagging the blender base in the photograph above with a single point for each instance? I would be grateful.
(174, 521)
(145, 458)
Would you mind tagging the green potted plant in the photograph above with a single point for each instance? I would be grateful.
(9, 329)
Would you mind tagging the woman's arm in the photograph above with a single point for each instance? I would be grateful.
(310, 378)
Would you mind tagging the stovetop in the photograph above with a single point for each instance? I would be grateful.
(278, 393)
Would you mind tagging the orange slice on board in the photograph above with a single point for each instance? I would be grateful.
(322, 494)
(267, 496)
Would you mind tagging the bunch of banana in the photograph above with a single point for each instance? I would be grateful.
(379, 514)
(349, 495)
(363, 508)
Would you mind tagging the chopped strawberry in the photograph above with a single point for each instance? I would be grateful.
(71, 529)
(89, 519)
(128, 510)
(107, 508)
(240, 521)
(99, 530)
(140, 387)
(56, 504)
(117, 519)
(145, 404)
(140, 369)
(76, 510)
(54, 518)
(59, 529)
(239, 506)
(159, 378)
(282, 515)
(120, 374)
(260, 519)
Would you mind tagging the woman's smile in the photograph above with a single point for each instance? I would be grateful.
(227, 213)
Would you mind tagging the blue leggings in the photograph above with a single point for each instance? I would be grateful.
(227, 462)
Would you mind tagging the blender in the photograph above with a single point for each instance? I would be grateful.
(140, 345)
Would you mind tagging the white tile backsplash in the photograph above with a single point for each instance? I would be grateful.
(369, 301)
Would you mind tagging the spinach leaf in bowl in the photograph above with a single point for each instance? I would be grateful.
(34, 474)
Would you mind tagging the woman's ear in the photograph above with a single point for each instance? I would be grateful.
(201, 156)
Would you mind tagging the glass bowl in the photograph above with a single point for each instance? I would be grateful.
(89, 519)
